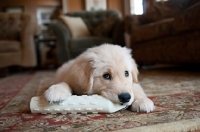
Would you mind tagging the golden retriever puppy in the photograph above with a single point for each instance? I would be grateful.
(107, 70)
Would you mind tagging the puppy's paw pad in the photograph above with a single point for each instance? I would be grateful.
(57, 93)
(143, 105)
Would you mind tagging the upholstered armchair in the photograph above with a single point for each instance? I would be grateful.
(168, 34)
(17, 40)
(103, 27)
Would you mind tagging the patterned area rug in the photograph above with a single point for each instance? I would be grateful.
(176, 95)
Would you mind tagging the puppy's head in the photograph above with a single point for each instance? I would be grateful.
(114, 72)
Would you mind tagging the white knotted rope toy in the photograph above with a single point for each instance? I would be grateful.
(75, 104)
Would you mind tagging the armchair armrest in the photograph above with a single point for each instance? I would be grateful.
(63, 35)
(27, 41)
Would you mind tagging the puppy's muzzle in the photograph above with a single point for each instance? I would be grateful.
(124, 97)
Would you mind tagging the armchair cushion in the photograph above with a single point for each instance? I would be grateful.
(106, 27)
(9, 46)
(76, 26)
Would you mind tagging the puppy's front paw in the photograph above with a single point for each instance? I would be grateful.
(57, 92)
(142, 105)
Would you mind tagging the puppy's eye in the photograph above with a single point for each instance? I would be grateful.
(126, 73)
(107, 76)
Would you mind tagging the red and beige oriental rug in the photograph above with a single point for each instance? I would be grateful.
(176, 95)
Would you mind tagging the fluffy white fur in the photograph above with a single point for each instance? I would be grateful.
(84, 75)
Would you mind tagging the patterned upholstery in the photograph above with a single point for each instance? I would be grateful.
(13, 23)
(170, 40)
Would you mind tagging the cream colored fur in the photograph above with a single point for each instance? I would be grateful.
(84, 75)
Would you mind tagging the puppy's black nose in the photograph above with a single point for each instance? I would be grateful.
(124, 97)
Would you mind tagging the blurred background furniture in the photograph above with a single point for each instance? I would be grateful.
(105, 26)
(168, 33)
(45, 49)
(17, 47)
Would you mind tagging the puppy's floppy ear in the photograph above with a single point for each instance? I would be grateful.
(135, 72)
(87, 76)
(82, 79)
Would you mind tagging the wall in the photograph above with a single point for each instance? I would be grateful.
(75, 5)
(116, 4)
